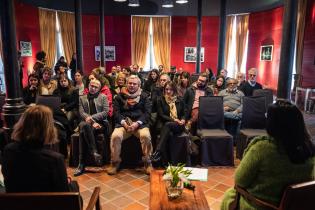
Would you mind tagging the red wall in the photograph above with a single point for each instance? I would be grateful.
(27, 29)
(265, 28)
(308, 65)
(183, 31)
(117, 33)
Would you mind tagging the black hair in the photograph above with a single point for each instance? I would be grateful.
(157, 73)
(286, 125)
(172, 85)
(40, 55)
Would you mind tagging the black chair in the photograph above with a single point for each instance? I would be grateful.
(53, 102)
(253, 122)
(216, 142)
(131, 153)
(265, 92)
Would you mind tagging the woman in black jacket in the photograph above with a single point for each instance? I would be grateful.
(28, 164)
(31, 90)
(171, 114)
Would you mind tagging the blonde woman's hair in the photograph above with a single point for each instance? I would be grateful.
(120, 75)
(36, 127)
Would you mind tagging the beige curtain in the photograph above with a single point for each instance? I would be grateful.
(47, 27)
(67, 27)
(241, 38)
(228, 39)
(140, 39)
(161, 40)
(300, 28)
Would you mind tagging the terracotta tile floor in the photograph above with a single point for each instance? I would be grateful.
(130, 189)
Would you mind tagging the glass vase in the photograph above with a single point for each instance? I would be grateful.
(174, 190)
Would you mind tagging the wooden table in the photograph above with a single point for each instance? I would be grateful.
(188, 200)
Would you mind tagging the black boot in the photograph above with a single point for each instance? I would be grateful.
(97, 158)
(80, 170)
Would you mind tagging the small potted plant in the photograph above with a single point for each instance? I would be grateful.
(175, 177)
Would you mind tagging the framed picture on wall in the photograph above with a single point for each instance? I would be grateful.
(25, 48)
(190, 54)
(266, 52)
(110, 53)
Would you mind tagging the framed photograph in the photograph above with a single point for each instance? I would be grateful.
(266, 52)
(26, 48)
(110, 53)
(190, 54)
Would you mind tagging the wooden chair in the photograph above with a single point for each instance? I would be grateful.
(48, 201)
(296, 196)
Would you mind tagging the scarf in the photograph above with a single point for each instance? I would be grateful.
(171, 102)
(92, 106)
(131, 98)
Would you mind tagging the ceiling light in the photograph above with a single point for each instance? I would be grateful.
(167, 3)
(120, 0)
(181, 1)
(133, 3)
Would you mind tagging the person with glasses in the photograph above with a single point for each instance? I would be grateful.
(93, 109)
(270, 163)
(250, 85)
(171, 114)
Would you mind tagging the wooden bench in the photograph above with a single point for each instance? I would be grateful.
(48, 201)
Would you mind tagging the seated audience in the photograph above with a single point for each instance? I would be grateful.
(79, 82)
(191, 98)
(132, 111)
(250, 85)
(224, 73)
(161, 69)
(61, 62)
(104, 90)
(232, 100)
(151, 82)
(126, 71)
(218, 86)
(183, 84)
(39, 64)
(31, 90)
(271, 163)
(28, 163)
(69, 98)
(171, 113)
(93, 109)
(241, 79)
(47, 85)
(59, 71)
(120, 83)
(211, 76)
(73, 65)
(99, 73)
(157, 91)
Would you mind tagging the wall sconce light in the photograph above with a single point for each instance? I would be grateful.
(133, 3)
(167, 3)
(181, 1)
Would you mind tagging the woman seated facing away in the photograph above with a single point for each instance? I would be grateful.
(273, 162)
(28, 164)
(171, 113)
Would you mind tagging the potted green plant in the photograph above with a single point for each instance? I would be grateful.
(175, 177)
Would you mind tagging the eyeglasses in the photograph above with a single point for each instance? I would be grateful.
(252, 75)
(232, 83)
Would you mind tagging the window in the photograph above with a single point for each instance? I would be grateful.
(150, 58)
(231, 57)
(2, 81)
(59, 44)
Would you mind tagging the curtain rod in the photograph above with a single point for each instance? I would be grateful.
(54, 10)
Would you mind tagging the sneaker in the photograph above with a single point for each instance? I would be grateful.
(79, 171)
(156, 156)
(113, 168)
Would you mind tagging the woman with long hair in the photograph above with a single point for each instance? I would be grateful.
(152, 81)
(271, 163)
(31, 90)
(120, 83)
(171, 114)
(183, 83)
(218, 86)
(28, 163)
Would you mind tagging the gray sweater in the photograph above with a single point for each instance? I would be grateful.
(233, 100)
